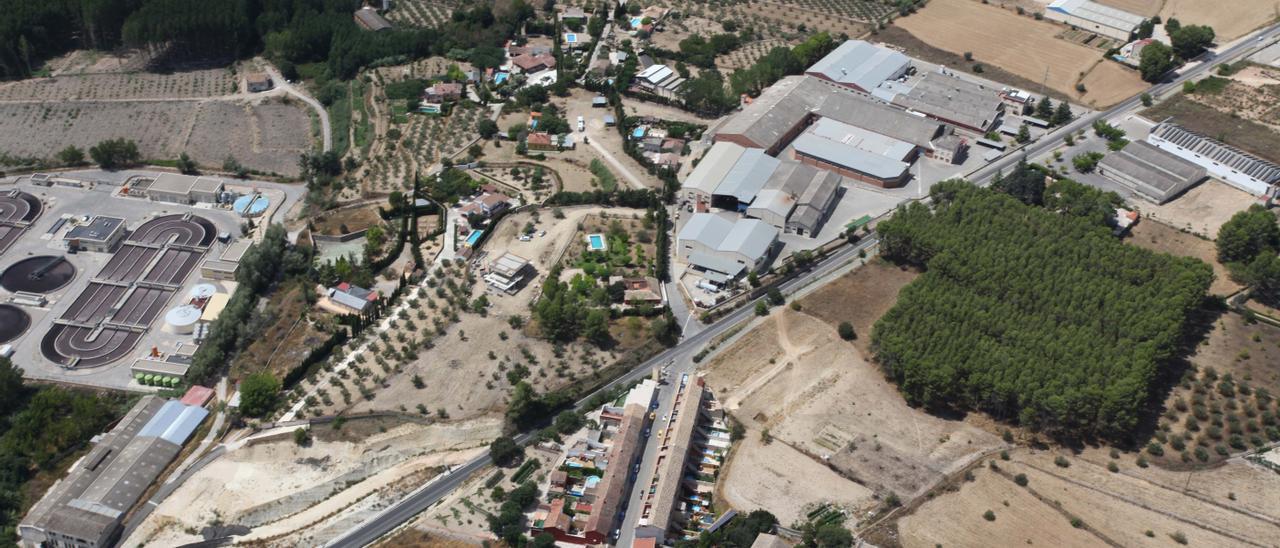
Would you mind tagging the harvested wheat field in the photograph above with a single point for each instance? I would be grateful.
(1229, 21)
(1022, 46)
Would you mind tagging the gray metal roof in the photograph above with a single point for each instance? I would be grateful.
(350, 301)
(713, 167)
(1152, 172)
(845, 155)
(866, 141)
(370, 19)
(98, 230)
(713, 262)
(812, 191)
(101, 487)
(954, 99)
(793, 99)
(748, 237)
(174, 422)
(772, 200)
(1098, 13)
(860, 63)
(1221, 153)
(748, 176)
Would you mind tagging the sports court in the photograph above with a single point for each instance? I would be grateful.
(17, 210)
(117, 307)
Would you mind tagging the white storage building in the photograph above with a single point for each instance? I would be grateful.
(1094, 17)
(1234, 166)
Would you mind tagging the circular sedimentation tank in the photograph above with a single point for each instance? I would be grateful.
(203, 291)
(14, 321)
(42, 274)
(183, 318)
(251, 205)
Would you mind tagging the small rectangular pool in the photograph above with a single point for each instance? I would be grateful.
(595, 242)
(638, 132)
(474, 237)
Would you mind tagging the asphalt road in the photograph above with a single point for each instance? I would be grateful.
(680, 356)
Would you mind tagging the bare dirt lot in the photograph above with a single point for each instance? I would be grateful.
(1235, 116)
(1160, 237)
(1229, 24)
(1130, 507)
(795, 381)
(874, 288)
(1022, 46)
(1201, 209)
(278, 488)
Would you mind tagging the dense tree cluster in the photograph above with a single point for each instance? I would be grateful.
(1030, 314)
(1189, 40)
(1155, 60)
(115, 153)
(1249, 244)
(707, 93)
(290, 32)
(740, 532)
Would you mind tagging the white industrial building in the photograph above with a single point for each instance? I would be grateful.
(1094, 17)
(860, 65)
(1233, 166)
(789, 195)
(723, 248)
(184, 189)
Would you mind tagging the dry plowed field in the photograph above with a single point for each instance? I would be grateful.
(1216, 507)
(267, 137)
(192, 84)
(1230, 20)
(1022, 46)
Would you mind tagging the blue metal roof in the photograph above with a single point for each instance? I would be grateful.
(174, 422)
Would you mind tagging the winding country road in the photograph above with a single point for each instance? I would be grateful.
(283, 85)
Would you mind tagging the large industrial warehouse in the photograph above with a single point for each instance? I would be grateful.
(86, 508)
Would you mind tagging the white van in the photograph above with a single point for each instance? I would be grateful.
(582, 124)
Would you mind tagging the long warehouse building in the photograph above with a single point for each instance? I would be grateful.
(1234, 166)
(86, 508)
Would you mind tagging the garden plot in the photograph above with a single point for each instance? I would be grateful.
(1022, 46)
(421, 13)
(137, 85)
(1242, 17)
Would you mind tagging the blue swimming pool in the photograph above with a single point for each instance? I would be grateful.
(474, 237)
(571, 38)
(595, 242)
(499, 77)
(638, 132)
(636, 22)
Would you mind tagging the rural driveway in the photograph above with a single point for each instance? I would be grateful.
(281, 84)
(617, 166)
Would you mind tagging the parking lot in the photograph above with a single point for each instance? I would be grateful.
(91, 328)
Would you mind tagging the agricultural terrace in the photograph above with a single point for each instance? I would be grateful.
(267, 136)
(1009, 287)
(414, 142)
(141, 85)
(421, 13)
(747, 55)
(1020, 45)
